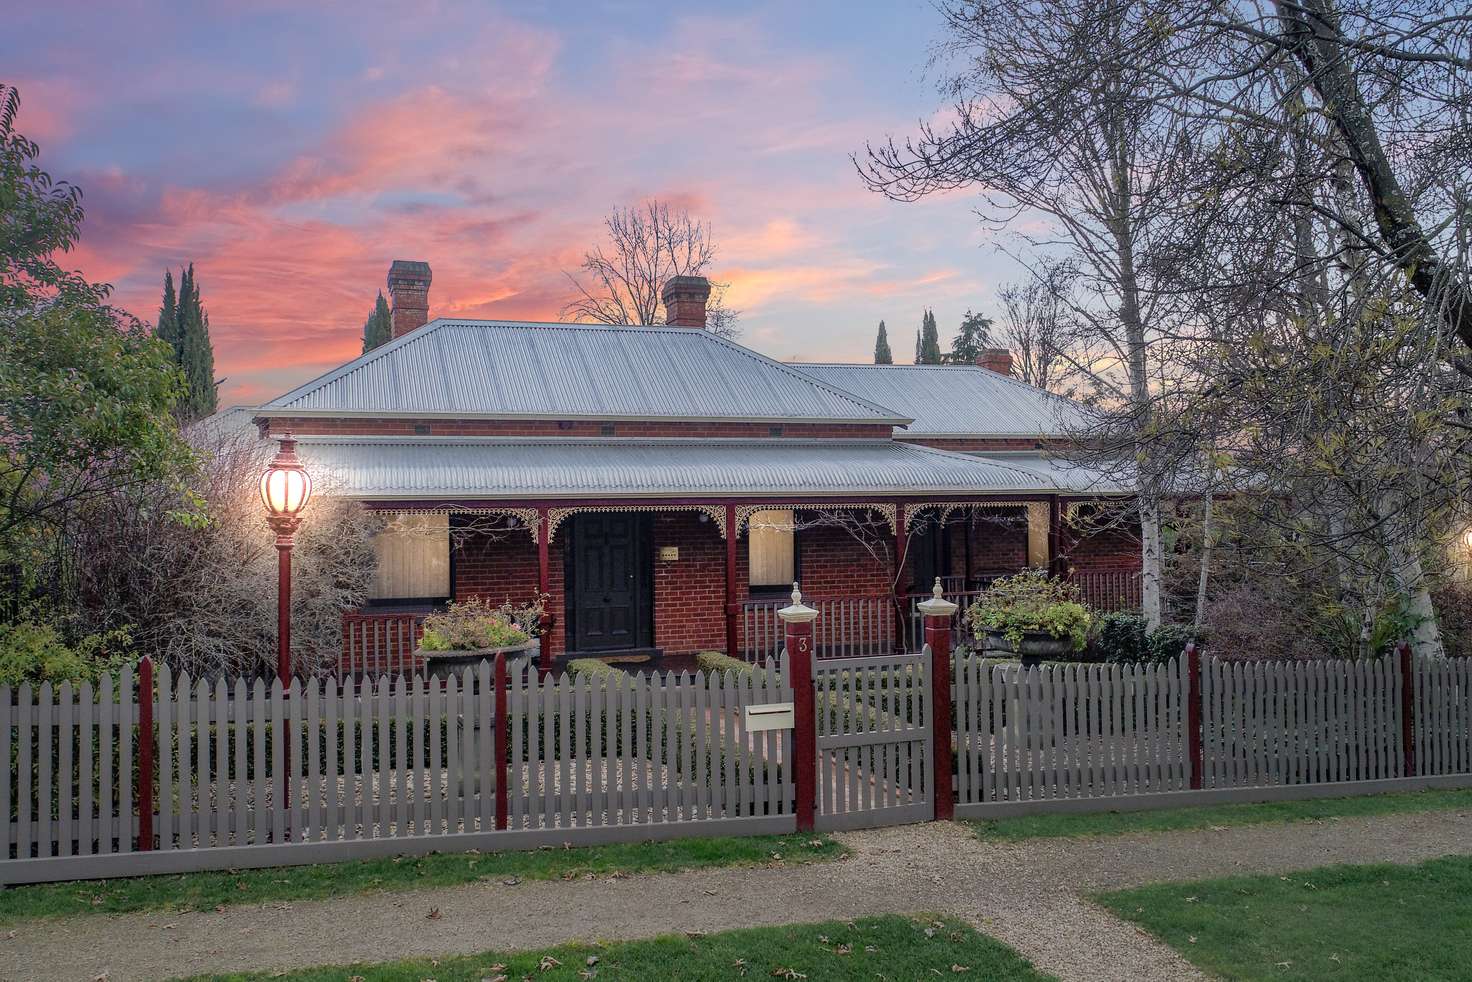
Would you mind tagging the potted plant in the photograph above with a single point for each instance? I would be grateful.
(464, 633)
(1032, 616)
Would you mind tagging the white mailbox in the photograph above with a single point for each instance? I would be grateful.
(770, 716)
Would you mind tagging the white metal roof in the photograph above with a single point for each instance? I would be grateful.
(515, 369)
(954, 400)
(499, 468)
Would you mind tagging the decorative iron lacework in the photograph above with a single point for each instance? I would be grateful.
(948, 507)
(556, 516)
(886, 510)
(528, 517)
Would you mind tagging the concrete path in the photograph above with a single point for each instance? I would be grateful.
(1027, 894)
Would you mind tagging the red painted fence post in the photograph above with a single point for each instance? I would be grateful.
(143, 787)
(938, 612)
(1407, 708)
(797, 621)
(503, 741)
(1193, 713)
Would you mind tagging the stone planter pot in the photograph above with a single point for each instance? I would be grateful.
(443, 664)
(1035, 646)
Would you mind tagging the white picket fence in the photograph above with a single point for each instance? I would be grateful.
(251, 775)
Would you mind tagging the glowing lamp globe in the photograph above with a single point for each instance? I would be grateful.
(286, 487)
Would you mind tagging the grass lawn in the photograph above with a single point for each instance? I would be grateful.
(891, 947)
(206, 891)
(1339, 922)
(1167, 819)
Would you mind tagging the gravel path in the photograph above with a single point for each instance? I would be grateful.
(1027, 894)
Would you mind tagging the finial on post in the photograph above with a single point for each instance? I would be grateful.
(798, 612)
(937, 605)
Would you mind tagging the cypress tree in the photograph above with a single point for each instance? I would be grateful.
(919, 350)
(379, 328)
(882, 354)
(168, 315)
(182, 322)
(928, 346)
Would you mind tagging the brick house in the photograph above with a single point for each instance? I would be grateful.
(662, 488)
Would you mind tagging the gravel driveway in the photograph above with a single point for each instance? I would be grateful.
(1027, 894)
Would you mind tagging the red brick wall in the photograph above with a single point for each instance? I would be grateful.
(1114, 549)
(348, 426)
(690, 592)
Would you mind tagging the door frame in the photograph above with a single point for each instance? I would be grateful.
(643, 554)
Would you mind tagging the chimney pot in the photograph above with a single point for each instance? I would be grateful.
(408, 284)
(684, 301)
(997, 360)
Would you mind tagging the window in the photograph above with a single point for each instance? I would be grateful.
(772, 541)
(413, 559)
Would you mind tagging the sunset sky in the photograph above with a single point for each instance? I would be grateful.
(291, 150)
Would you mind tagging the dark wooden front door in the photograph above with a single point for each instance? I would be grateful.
(608, 597)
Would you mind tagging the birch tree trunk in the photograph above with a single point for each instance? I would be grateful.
(1204, 576)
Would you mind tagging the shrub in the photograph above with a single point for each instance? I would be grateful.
(470, 626)
(599, 671)
(1031, 601)
(716, 663)
(34, 652)
(1121, 637)
(1168, 641)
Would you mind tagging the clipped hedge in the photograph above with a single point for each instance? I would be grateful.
(714, 662)
(595, 669)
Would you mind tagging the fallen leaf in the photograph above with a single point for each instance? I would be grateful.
(511, 881)
(591, 961)
(787, 973)
(434, 914)
(958, 969)
(548, 963)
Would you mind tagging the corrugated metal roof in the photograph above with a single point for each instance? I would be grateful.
(388, 467)
(954, 400)
(1067, 475)
(511, 369)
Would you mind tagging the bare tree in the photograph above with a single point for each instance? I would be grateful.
(1048, 342)
(1051, 119)
(648, 245)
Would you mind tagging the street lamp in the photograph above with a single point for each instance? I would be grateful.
(285, 490)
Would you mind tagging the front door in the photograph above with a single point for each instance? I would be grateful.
(608, 597)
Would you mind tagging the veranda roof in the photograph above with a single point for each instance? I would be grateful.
(399, 468)
(520, 370)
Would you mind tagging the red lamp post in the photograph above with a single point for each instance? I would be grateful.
(285, 490)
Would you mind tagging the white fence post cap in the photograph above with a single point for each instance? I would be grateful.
(798, 612)
(937, 605)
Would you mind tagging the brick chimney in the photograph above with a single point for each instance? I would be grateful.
(997, 360)
(408, 285)
(684, 301)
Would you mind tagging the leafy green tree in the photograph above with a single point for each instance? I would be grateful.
(379, 328)
(927, 345)
(86, 406)
(882, 354)
(86, 393)
(976, 334)
(38, 219)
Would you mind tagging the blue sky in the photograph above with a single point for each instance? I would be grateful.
(292, 150)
